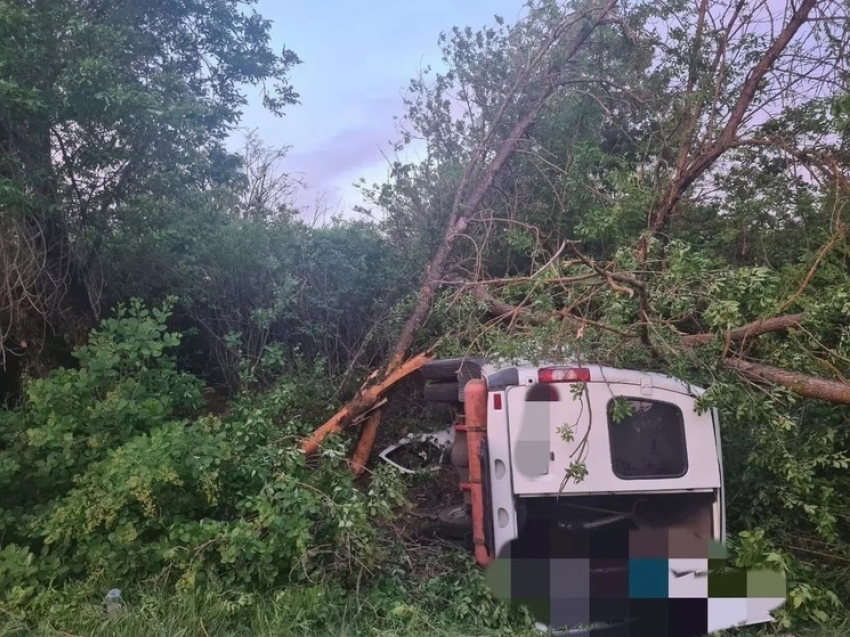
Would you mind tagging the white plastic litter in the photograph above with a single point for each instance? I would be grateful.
(441, 440)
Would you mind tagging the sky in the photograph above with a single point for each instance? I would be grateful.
(357, 58)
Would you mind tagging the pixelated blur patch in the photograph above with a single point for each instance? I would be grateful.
(533, 446)
(664, 588)
(649, 578)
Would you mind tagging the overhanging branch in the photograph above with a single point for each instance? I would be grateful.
(832, 391)
(756, 328)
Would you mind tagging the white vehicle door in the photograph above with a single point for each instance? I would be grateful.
(662, 444)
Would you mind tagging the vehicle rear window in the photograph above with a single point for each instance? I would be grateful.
(647, 439)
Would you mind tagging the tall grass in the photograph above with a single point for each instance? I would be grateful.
(320, 611)
(298, 612)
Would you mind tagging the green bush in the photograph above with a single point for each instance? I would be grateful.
(125, 386)
(125, 481)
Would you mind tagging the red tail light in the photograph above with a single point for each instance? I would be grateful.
(564, 375)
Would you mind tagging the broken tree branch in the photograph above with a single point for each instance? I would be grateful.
(465, 206)
(361, 454)
(508, 311)
(634, 284)
(811, 273)
(361, 403)
(801, 384)
(607, 274)
(756, 328)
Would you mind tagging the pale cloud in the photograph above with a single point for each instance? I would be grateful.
(358, 59)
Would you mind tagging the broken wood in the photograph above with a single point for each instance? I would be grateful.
(368, 412)
(363, 402)
(361, 453)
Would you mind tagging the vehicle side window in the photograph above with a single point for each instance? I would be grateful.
(647, 439)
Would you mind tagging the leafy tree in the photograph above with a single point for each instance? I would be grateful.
(105, 108)
(323, 292)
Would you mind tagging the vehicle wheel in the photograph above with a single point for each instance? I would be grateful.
(455, 522)
(442, 392)
(448, 369)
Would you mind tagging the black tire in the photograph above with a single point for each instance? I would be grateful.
(455, 522)
(448, 369)
(442, 392)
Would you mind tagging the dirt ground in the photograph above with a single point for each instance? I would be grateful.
(417, 525)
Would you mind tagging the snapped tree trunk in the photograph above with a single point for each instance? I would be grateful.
(360, 404)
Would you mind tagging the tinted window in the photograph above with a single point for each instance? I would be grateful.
(647, 443)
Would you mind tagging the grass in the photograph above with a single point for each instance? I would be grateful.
(160, 615)
(299, 611)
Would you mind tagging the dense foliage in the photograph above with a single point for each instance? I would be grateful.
(106, 109)
(110, 474)
(677, 201)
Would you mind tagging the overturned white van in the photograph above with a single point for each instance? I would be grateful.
(558, 435)
(596, 453)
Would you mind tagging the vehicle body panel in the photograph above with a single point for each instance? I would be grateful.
(586, 416)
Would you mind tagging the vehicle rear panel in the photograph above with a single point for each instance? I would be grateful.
(552, 426)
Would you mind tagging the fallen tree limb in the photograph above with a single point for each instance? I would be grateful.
(801, 384)
(832, 391)
(363, 402)
(501, 308)
(756, 328)
(356, 421)
(634, 284)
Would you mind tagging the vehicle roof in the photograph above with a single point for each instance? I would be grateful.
(598, 373)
